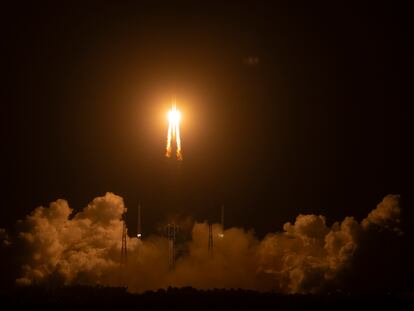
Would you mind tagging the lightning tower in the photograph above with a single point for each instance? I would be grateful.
(222, 222)
(210, 239)
(222, 217)
(172, 230)
(124, 250)
(139, 233)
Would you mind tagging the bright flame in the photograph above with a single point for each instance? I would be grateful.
(174, 118)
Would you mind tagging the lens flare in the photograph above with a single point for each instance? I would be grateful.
(174, 118)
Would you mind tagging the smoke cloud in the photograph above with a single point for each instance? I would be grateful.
(85, 248)
(4, 238)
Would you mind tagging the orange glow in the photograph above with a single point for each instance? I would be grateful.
(174, 118)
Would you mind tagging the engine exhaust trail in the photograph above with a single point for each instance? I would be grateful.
(173, 135)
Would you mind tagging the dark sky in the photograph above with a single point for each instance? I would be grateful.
(313, 127)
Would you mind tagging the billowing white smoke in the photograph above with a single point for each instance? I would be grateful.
(4, 238)
(387, 214)
(85, 248)
(308, 253)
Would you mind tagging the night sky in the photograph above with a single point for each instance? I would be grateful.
(286, 110)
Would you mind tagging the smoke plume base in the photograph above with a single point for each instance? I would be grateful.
(85, 247)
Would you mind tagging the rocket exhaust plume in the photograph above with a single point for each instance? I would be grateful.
(174, 118)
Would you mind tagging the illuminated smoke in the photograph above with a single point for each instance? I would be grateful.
(174, 118)
(85, 248)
